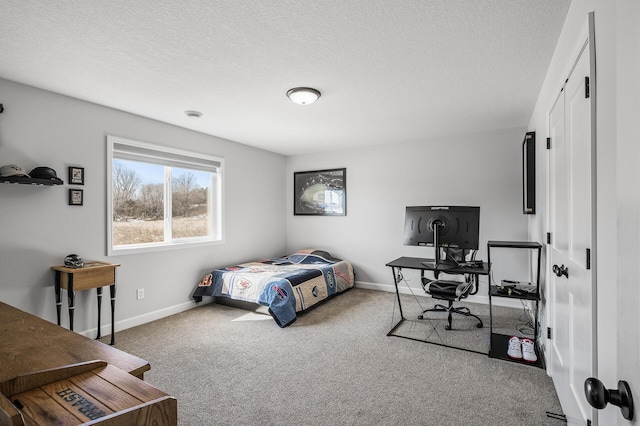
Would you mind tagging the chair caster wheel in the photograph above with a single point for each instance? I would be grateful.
(447, 327)
(420, 317)
(479, 325)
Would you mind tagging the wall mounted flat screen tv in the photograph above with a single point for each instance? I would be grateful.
(529, 173)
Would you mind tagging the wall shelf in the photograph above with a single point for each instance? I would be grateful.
(29, 181)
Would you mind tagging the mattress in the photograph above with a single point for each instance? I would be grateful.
(286, 285)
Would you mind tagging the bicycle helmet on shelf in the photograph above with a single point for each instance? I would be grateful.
(73, 261)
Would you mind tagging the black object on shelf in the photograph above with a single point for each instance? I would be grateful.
(22, 180)
(514, 293)
(498, 343)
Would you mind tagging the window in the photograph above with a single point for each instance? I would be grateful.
(161, 197)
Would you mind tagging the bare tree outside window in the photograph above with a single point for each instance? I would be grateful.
(189, 203)
(125, 185)
(138, 206)
(181, 192)
(152, 200)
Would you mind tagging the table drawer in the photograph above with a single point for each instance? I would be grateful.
(89, 278)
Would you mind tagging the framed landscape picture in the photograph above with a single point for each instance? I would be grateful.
(320, 192)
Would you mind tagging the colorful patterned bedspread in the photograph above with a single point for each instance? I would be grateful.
(286, 285)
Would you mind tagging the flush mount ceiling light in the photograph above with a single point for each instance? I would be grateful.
(303, 95)
(193, 114)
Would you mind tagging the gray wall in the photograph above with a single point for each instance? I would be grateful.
(38, 228)
(482, 169)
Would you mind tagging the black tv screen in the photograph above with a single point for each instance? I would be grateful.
(458, 226)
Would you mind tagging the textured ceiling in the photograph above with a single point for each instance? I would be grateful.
(389, 70)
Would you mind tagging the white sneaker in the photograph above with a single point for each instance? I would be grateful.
(528, 350)
(515, 348)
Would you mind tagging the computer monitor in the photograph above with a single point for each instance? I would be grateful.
(454, 228)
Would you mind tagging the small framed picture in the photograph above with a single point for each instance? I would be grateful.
(76, 197)
(76, 175)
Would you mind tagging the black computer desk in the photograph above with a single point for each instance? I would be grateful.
(423, 265)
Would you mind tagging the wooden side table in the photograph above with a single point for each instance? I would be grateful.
(94, 274)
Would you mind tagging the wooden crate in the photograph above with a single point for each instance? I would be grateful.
(89, 393)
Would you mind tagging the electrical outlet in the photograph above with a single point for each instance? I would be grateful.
(140, 294)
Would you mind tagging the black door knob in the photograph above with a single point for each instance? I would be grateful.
(599, 396)
(561, 270)
(564, 271)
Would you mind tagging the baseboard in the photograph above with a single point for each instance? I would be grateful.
(105, 330)
(383, 287)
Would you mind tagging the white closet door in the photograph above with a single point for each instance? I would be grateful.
(570, 221)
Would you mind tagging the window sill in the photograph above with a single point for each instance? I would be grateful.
(148, 248)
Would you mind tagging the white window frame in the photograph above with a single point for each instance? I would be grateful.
(117, 147)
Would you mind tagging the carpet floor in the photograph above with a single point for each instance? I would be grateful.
(334, 366)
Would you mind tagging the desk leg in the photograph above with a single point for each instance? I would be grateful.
(58, 298)
(395, 281)
(112, 289)
(99, 290)
(72, 299)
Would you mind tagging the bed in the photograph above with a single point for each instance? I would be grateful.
(286, 285)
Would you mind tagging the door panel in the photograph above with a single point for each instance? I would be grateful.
(578, 116)
(570, 222)
(579, 147)
(560, 312)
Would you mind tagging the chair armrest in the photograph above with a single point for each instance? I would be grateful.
(474, 282)
(464, 289)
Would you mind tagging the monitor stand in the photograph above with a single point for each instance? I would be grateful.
(439, 264)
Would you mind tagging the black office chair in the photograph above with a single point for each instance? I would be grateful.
(451, 291)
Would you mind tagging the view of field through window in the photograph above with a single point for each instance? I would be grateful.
(139, 203)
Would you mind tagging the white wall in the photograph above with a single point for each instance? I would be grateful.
(39, 229)
(481, 169)
(627, 127)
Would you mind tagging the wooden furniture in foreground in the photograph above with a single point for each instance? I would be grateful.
(95, 274)
(29, 344)
(93, 392)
